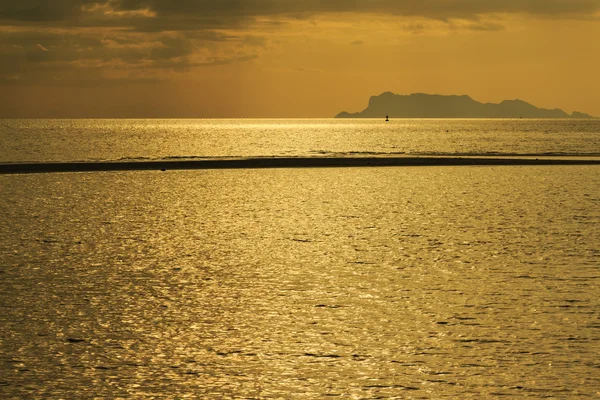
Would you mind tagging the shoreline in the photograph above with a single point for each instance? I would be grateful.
(281, 162)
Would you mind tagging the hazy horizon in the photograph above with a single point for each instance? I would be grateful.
(311, 59)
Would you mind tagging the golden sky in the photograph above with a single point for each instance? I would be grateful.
(288, 58)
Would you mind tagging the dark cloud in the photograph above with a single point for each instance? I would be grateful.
(39, 10)
(204, 14)
(71, 56)
(32, 46)
(426, 8)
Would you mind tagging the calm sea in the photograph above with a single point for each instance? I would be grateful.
(400, 282)
(98, 140)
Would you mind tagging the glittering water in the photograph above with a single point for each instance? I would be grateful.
(417, 282)
(82, 140)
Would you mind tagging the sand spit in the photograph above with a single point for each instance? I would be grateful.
(282, 162)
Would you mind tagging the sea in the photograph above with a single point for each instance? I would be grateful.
(412, 282)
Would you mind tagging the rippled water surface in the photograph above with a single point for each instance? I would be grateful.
(83, 140)
(437, 282)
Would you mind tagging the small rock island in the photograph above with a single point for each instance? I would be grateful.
(421, 105)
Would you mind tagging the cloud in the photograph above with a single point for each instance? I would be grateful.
(30, 55)
(41, 39)
(206, 14)
(438, 9)
(41, 11)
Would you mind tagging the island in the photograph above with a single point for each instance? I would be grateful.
(421, 105)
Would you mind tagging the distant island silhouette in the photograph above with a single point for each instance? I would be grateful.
(421, 105)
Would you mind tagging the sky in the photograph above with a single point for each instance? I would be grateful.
(288, 58)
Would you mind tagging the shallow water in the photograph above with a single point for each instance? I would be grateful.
(98, 140)
(421, 282)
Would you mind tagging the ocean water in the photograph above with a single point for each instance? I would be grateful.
(400, 282)
(98, 140)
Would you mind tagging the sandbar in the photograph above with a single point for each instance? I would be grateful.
(282, 162)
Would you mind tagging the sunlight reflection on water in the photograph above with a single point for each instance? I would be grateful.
(466, 282)
(97, 140)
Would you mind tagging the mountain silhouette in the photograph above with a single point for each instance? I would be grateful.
(421, 105)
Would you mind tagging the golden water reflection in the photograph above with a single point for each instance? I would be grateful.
(466, 282)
